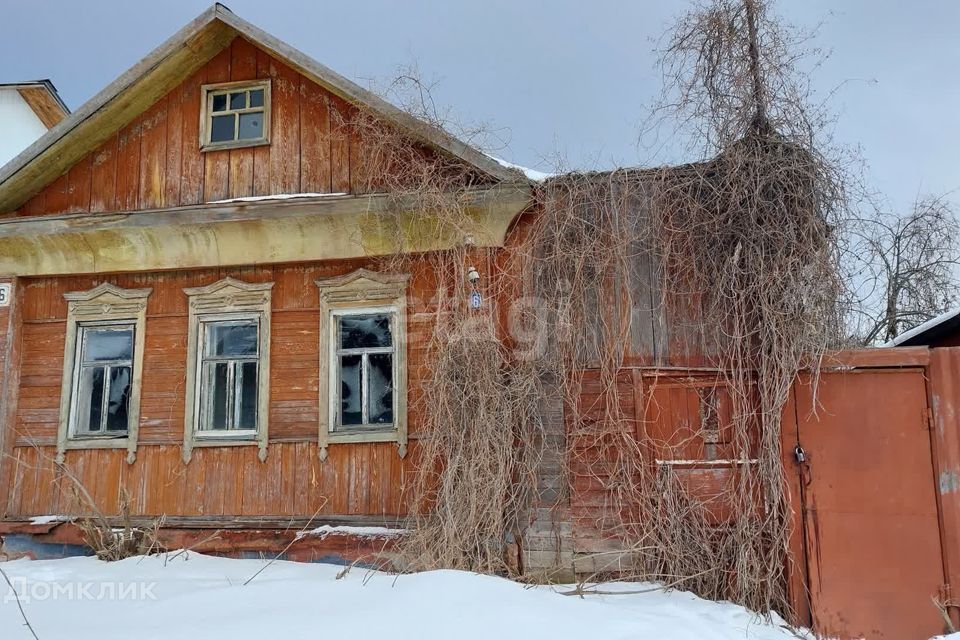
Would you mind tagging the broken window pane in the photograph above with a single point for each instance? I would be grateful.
(220, 102)
(365, 331)
(231, 339)
(350, 390)
(221, 128)
(90, 406)
(380, 388)
(118, 402)
(107, 344)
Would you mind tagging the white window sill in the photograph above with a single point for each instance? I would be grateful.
(97, 442)
(363, 435)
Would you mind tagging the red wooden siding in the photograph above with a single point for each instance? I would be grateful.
(155, 161)
(357, 479)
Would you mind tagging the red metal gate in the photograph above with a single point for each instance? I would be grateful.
(870, 519)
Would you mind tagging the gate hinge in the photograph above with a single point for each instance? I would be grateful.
(928, 418)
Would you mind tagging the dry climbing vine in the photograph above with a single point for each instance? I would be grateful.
(734, 253)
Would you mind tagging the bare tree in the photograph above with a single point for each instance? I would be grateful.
(902, 269)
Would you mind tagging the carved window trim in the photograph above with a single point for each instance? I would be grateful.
(359, 291)
(104, 304)
(221, 300)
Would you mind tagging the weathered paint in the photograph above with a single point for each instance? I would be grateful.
(870, 505)
(219, 482)
(944, 391)
(294, 230)
(338, 548)
(949, 481)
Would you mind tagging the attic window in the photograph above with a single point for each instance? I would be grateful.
(235, 114)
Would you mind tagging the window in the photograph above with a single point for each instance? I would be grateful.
(364, 363)
(228, 350)
(235, 114)
(363, 359)
(103, 379)
(228, 372)
(103, 358)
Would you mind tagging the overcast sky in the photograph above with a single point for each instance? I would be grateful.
(567, 76)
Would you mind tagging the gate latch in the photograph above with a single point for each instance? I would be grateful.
(799, 454)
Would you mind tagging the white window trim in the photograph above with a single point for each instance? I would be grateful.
(227, 299)
(103, 305)
(362, 291)
(207, 92)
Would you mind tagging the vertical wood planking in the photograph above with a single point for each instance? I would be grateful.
(78, 189)
(285, 129)
(155, 159)
(243, 66)
(314, 139)
(58, 195)
(192, 159)
(261, 154)
(339, 145)
(174, 148)
(128, 166)
(216, 164)
(153, 155)
(103, 179)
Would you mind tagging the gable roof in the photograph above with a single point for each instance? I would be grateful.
(171, 63)
(42, 98)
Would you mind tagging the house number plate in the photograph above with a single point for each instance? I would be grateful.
(5, 294)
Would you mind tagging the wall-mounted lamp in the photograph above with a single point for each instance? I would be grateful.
(473, 275)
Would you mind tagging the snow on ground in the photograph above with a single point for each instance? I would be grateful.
(188, 595)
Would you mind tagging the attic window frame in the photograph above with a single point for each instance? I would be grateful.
(207, 93)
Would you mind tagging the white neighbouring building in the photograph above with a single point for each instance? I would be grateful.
(27, 111)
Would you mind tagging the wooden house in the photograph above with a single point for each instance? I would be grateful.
(186, 262)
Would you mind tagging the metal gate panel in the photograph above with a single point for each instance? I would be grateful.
(870, 509)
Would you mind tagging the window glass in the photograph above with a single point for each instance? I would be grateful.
(90, 406)
(350, 390)
(229, 375)
(216, 391)
(105, 378)
(365, 369)
(107, 344)
(365, 331)
(231, 338)
(380, 388)
(247, 414)
(221, 129)
(238, 100)
(119, 398)
(235, 115)
(251, 126)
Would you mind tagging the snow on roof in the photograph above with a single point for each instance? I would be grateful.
(531, 174)
(921, 328)
(49, 519)
(279, 196)
(358, 532)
